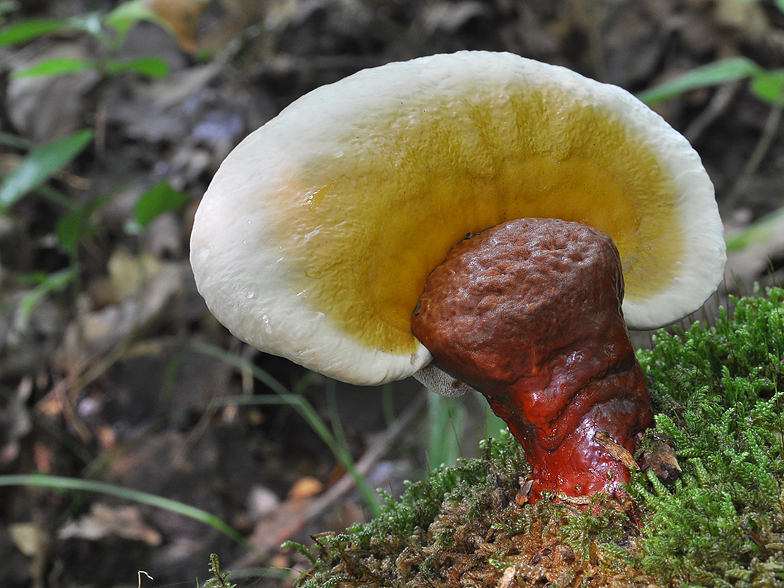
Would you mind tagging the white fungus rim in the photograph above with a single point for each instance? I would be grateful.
(241, 271)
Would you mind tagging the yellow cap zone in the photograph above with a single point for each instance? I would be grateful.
(372, 220)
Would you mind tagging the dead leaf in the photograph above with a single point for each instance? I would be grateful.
(524, 493)
(43, 457)
(305, 487)
(29, 538)
(160, 283)
(15, 421)
(181, 18)
(107, 438)
(281, 525)
(748, 17)
(448, 18)
(129, 274)
(108, 521)
(261, 502)
(35, 543)
(507, 578)
(616, 451)
(661, 460)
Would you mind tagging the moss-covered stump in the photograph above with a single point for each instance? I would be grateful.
(718, 396)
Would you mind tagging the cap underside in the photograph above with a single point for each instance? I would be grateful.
(370, 193)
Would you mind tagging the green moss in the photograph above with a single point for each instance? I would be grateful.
(401, 531)
(718, 394)
(719, 391)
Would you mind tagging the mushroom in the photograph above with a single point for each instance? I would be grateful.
(317, 235)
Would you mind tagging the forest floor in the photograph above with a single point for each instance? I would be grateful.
(112, 376)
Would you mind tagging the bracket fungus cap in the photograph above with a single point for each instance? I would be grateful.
(316, 236)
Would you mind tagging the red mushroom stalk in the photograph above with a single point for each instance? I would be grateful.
(529, 313)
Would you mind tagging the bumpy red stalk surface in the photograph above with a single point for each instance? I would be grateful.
(529, 314)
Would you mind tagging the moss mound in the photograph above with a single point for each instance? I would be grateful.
(718, 393)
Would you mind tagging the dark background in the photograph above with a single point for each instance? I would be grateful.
(106, 381)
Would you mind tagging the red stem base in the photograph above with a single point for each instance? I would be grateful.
(529, 314)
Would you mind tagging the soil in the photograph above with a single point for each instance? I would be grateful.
(114, 376)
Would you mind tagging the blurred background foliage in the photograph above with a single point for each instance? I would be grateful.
(113, 118)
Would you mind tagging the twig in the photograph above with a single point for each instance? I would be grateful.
(716, 107)
(365, 464)
(765, 140)
(345, 484)
(139, 573)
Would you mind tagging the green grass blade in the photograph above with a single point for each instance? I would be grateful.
(759, 231)
(306, 411)
(27, 30)
(152, 67)
(75, 484)
(56, 66)
(54, 282)
(719, 72)
(446, 420)
(40, 164)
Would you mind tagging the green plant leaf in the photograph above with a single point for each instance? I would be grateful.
(27, 30)
(446, 421)
(719, 72)
(769, 87)
(158, 199)
(126, 14)
(153, 67)
(77, 225)
(759, 231)
(70, 229)
(55, 282)
(55, 67)
(39, 165)
(31, 278)
(74, 484)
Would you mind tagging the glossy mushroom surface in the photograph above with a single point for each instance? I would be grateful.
(317, 233)
(529, 313)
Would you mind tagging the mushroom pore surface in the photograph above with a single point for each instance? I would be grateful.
(529, 314)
